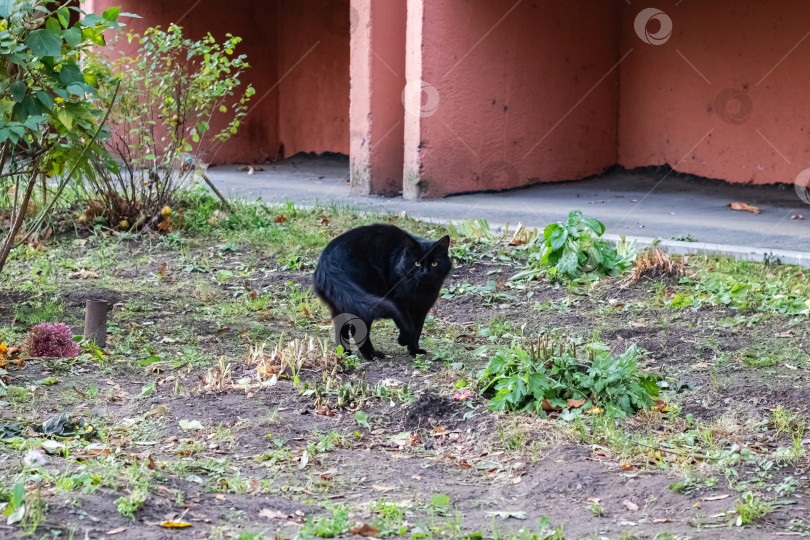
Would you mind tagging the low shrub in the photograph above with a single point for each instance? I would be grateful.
(574, 250)
(561, 375)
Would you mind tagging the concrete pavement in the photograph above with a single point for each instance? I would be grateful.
(650, 205)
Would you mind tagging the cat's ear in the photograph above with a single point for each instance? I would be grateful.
(410, 244)
(443, 244)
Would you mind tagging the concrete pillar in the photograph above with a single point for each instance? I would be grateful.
(376, 112)
(412, 100)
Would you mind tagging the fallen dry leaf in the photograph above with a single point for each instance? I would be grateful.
(97, 449)
(272, 514)
(594, 500)
(661, 520)
(166, 224)
(716, 497)
(162, 270)
(745, 207)
(119, 530)
(383, 488)
(82, 274)
(630, 505)
(576, 403)
(661, 406)
(797, 216)
(546, 404)
(365, 530)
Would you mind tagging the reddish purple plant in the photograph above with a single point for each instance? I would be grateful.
(50, 340)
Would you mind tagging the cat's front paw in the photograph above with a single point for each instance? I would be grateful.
(379, 354)
(403, 339)
(414, 352)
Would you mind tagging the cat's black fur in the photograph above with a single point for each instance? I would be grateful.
(382, 272)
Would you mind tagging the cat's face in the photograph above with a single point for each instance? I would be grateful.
(427, 262)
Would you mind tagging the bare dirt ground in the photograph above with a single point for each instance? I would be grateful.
(187, 435)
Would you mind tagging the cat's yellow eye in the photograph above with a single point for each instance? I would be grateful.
(434, 264)
(417, 263)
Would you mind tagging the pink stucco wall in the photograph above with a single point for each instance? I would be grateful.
(313, 97)
(725, 96)
(299, 53)
(450, 96)
(504, 101)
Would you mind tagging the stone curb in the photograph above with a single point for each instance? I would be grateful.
(677, 247)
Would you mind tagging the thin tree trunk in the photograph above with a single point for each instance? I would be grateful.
(15, 228)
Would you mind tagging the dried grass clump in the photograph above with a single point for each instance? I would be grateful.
(656, 265)
(217, 378)
(291, 357)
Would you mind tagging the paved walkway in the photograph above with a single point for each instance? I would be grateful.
(636, 205)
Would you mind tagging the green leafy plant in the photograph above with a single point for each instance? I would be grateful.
(574, 250)
(171, 90)
(327, 527)
(747, 293)
(751, 509)
(552, 372)
(15, 507)
(50, 115)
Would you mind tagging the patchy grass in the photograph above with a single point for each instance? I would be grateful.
(221, 402)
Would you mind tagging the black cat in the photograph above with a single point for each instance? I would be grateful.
(380, 272)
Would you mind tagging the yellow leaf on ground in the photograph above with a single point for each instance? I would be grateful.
(175, 525)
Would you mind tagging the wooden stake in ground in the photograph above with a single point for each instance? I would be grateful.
(95, 322)
(225, 202)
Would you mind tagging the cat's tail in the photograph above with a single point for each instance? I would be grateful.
(342, 295)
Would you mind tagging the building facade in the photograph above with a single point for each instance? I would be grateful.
(435, 97)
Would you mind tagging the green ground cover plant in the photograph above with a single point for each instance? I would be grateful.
(557, 373)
